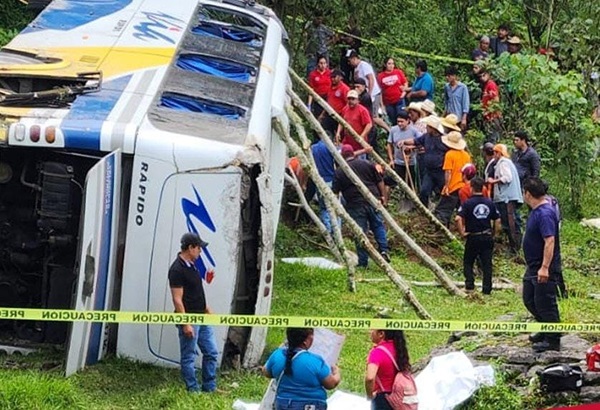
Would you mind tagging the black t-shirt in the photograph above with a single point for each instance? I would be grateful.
(367, 173)
(478, 213)
(365, 100)
(182, 275)
(435, 150)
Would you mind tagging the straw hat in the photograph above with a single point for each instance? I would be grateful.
(434, 122)
(454, 140)
(428, 106)
(501, 148)
(514, 40)
(451, 121)
(415, 106)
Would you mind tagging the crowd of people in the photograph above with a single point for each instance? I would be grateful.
(430, 153)
(427, 149)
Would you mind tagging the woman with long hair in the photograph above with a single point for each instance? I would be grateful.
(392, 82)
(302, 376)
(319, 80)
(388, 357)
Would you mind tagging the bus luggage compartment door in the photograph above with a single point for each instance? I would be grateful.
(209, 204)
(96, 260)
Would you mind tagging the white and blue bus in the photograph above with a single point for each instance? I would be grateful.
(123, 125)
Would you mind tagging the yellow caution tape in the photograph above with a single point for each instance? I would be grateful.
(159, 318)
(408, 52)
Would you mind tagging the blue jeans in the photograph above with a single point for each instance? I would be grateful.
(367, 218)
(510, 218)
(379, 402)
(393, 110)
(432, 181)
(324, 213)
(287, 404)
(204, 338)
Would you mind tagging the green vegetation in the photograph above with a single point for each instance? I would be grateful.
(303, 291)
(13, 17)
(554, 101)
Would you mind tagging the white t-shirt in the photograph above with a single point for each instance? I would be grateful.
(362, 70)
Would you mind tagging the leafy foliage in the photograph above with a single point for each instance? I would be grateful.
(13, 17)
(552, 106)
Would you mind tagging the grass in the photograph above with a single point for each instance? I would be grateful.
(36, 382)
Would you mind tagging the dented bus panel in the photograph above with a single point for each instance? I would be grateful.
(120, 130)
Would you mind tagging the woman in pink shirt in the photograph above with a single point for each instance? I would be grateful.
(390, 346)
(392, 82)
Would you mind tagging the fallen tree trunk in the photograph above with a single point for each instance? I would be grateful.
(405, 188)
(315, 218)
(337, 232)
(352, 225)
(408, 241)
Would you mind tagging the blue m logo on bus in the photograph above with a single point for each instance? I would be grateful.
(158, 26)
(196, 211)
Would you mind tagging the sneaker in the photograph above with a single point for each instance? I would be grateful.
(536, 337)
(386, 257)
(545, 346)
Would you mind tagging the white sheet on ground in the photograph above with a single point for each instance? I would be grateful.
(339, 400)
(314, 261)
(449, 380)
(591, 223)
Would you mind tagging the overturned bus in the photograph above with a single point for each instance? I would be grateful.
(124, 124)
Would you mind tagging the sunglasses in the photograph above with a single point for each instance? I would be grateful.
(352, 98)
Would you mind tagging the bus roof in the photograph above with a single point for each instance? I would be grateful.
(181, 62)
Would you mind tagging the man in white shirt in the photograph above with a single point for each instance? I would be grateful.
(364, 70)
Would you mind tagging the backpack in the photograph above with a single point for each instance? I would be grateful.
(592, 358)
(404, 390)
(561, 377)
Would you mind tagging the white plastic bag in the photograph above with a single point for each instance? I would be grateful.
(449, 380)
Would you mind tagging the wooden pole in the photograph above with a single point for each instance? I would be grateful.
(337, 232)
(405, 188)
(353, 226)
(443, 278)
(314, 217)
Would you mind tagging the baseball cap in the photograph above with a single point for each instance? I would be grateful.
(192, 239)
(469, 171)
(347, 151)
(360, 81)
(488, 148)
(352, 94)
(336, 73)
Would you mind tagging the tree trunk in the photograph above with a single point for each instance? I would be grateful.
(337, 232)
(357, 231)
(313, 216)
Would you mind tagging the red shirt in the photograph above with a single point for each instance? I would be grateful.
(320, 82)
(336, 96)
(390, 83)
(386, 371)
(466, 192)
(490, 92)
(358, 117)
